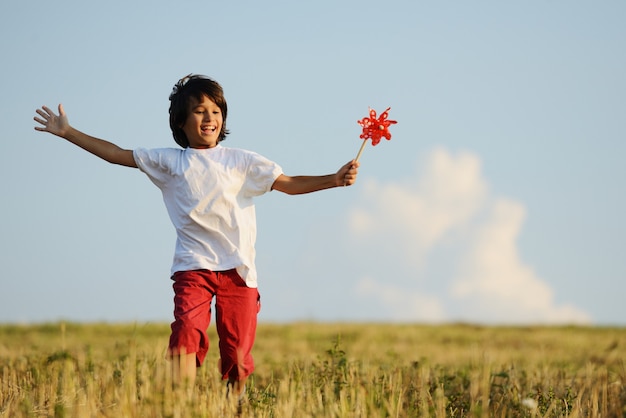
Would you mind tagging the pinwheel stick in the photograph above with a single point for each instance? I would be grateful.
(361, 150)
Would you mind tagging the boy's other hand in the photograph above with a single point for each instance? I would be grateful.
(55, 124)
(346, 176)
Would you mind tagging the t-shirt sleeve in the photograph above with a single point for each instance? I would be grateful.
(156, 163)
(261, 175)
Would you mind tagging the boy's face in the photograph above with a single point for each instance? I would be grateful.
(203, 124)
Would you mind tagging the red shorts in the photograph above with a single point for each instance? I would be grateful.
(236, 309)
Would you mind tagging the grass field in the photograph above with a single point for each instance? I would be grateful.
(320, 370)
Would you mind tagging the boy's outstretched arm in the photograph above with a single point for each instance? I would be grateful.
(59, 126)
(346, 176)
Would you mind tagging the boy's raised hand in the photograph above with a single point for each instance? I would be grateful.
(55, 124)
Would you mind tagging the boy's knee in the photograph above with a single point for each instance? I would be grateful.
(187, 340)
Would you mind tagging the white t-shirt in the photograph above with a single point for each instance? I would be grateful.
(208, 195)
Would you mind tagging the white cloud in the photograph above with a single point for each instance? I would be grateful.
(494, 282)
(420, 213)
(485, 279)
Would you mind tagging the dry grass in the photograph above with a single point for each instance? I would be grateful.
(320, 370)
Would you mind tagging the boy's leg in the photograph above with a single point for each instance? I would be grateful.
(184, 368)
(237, 306)
(193, 292)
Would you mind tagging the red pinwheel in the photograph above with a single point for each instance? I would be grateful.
(375, 128)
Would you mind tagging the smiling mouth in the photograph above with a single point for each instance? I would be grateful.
(208, 129)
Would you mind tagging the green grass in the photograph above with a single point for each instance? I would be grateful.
(320, 370)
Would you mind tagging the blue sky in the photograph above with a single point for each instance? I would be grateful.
(500, 198)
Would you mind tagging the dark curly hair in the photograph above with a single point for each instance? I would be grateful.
(195, 86)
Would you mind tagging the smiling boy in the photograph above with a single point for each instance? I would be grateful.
(208, 190)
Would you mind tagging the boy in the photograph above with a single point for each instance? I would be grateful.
(208, 191)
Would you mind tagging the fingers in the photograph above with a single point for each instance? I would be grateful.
(44, 115)
(40, 128)
(44, 112)
(353, 168)
(47, 113)
(349, 179)
(352, 164)
(41, 121)
(350, 173)
(47, 117)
